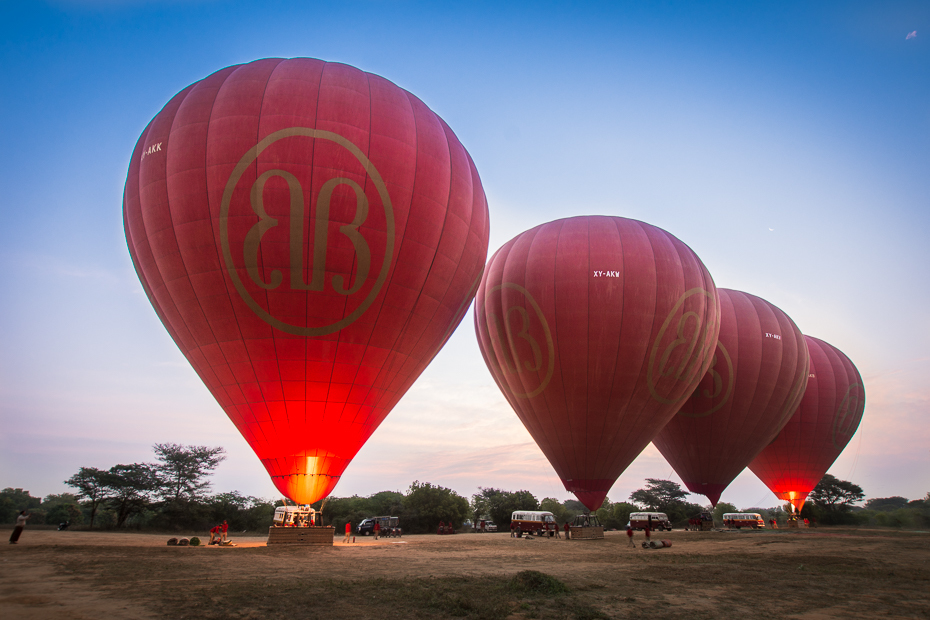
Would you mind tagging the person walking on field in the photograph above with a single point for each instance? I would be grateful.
(348, 532)
(20, 524)
(629, 535)
(377, 529)
(556, 528)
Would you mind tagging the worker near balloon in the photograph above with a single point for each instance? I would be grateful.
(310, 235)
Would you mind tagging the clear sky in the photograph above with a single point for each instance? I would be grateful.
(788, 145)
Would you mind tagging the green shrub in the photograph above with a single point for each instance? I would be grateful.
(535, 582)
(195, 541)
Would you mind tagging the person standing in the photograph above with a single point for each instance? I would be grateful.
(377, 529)
(348, 532)
(20, 524)
(629, 535)
(568, 532)
(647, 530)
(555, 526)
(223, 531)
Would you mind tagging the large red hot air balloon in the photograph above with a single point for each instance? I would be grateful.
(310, 235)
(827, 418)
(755, 382)
(596, 329)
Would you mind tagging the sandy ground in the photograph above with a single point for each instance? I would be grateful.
(823, 573)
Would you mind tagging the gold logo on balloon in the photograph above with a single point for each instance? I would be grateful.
(848, 415)
(713, 373)
(677, 360)
(320, 235)
(521, 353)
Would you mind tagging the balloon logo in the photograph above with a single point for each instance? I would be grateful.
(595, 329)
(251, 243)
(518, 351)
(756, 380)
(310, 235)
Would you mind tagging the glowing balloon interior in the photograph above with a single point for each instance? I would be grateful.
(827, 418)
(310, 235)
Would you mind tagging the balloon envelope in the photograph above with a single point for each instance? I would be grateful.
(310, 235)
(815, 435)
(755, 382)
(596, 329)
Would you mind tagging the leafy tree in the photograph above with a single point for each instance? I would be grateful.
(886, 504)
(183, 470)
(91, 485)
(129, 489)
(501, 504)
(13, 501)
(63, 507)
(615, 515)
(659, 495)
(834, 498)
(721, 509)
(426, 505)
(558, 510)
(479, 507)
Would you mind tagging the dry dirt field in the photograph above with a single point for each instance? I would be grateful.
(814, 574)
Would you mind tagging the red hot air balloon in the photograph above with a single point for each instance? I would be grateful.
(310, 235)
(596, 329)
(827, 418)
(755, 382)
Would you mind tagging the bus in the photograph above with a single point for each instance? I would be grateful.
(538, 522)
(743, 519)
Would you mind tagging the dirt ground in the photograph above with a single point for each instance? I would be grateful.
(812, 574)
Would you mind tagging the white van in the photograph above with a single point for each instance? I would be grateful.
(538, 522)
(743, 519)
(652, 520)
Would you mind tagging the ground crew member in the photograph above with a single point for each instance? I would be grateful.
(377, 529)
(568, 532)
(348, 532)
(629, 535)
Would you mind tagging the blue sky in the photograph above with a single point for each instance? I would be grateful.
(788, 145)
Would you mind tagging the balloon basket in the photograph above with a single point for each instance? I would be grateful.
(594, 532)
(307, 536)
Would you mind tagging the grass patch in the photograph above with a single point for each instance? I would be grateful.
(535, 583)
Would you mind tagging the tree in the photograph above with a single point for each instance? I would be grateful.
(13, 501)
(834, 498)
(659, 495)
(886, 504)
(129, 489)
(61, 508)
(501, 504)
(426, 505)
(183, 469)
(721, 509)
(90, 483)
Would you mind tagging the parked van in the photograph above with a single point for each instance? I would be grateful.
(387, 526)
(743, 519)
(653, 520)
(538, 522)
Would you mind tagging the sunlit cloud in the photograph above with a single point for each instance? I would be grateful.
(911, 35)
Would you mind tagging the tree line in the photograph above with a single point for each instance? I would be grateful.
(172, 493)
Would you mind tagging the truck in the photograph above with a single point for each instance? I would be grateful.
(388, 527)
